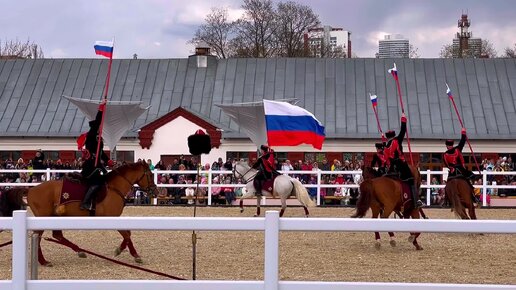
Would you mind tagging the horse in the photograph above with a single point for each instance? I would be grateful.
(384, 195)
(44, 200)
(283, 186)
(459, 192)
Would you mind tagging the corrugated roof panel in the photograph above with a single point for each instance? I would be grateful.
(270, 77)
(327, 117)
(351, 107)
(279, 85)
(340, 96)
(335, 90)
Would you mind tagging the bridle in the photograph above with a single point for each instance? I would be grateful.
(146, 173)
(235, 171)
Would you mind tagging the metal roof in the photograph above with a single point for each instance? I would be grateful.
(335, 90)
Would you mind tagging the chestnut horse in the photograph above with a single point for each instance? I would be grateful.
(384, 196)
(459, 193)
(43, 200)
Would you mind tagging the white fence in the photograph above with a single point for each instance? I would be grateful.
(271, 225)
(319, 174)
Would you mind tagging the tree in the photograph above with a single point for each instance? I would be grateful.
(293, 20)
(18, 49)
(413, 51)
(510, 52)
(216, 32)
(486, 50)
(256, 29)
(447, 51)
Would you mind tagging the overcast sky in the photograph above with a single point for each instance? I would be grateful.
(161, 28)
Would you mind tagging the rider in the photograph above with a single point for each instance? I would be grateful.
(396, 160)
(379, 159)
(265, 167)
(454, 160)
(94, 174)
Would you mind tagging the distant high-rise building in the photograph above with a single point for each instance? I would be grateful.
(464, 45)
(393, 46)
(328, 41)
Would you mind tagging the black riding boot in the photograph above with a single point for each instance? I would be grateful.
(257, 183)
(88, 197)
(415, 197)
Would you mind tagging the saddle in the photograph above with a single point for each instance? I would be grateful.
(460, 176)
(74, 188)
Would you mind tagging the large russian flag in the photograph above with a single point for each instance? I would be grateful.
(104, 48)
(290, 125)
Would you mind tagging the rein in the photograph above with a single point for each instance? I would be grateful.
(146, 189)
(242, 176)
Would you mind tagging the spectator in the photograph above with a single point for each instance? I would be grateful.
(229, 193)
(215, 189)
(286, 166)
(190, 192)
(173, 192)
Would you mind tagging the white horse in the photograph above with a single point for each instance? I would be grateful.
(284, 186)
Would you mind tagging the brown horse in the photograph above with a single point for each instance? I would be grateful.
(44, 198)
(384, 195)
(459, 193)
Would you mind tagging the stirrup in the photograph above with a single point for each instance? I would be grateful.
(86, 206)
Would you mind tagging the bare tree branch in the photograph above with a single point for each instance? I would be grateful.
(18, 49)
(215, 32)
(293, 20)
(510, 52)
(256, 30)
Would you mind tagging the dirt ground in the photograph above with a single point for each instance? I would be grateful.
(446, 258)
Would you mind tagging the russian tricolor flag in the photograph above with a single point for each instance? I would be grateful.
(394, 72)
(448, 92)
(104, 48)
(374, 100)
(290, 125)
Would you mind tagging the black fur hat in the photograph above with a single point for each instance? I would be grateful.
(449, 142)
(199, 143)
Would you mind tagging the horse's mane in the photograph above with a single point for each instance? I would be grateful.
(122, 170)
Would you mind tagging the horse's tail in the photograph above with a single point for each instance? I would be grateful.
(12, 200)
(302, 193)
(364, 199)
(452, 193)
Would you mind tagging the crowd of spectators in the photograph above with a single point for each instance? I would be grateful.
(226, 195)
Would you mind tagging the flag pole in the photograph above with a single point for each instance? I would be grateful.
(462, 125)
(403, 111)
(377, 119)
(104, 99)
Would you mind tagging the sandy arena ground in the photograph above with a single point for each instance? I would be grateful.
(446, 258)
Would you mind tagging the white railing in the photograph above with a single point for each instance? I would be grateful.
(271, 225)
(210, 174)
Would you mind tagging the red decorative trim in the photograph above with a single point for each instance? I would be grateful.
(146, 133)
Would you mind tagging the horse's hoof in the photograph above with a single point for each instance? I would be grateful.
(138, 260)
(118, 251)
(255, 215)
(411, 238)
(241, 210)
(377, 245)
(392, 243)
(81, 254)
(419, 248)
